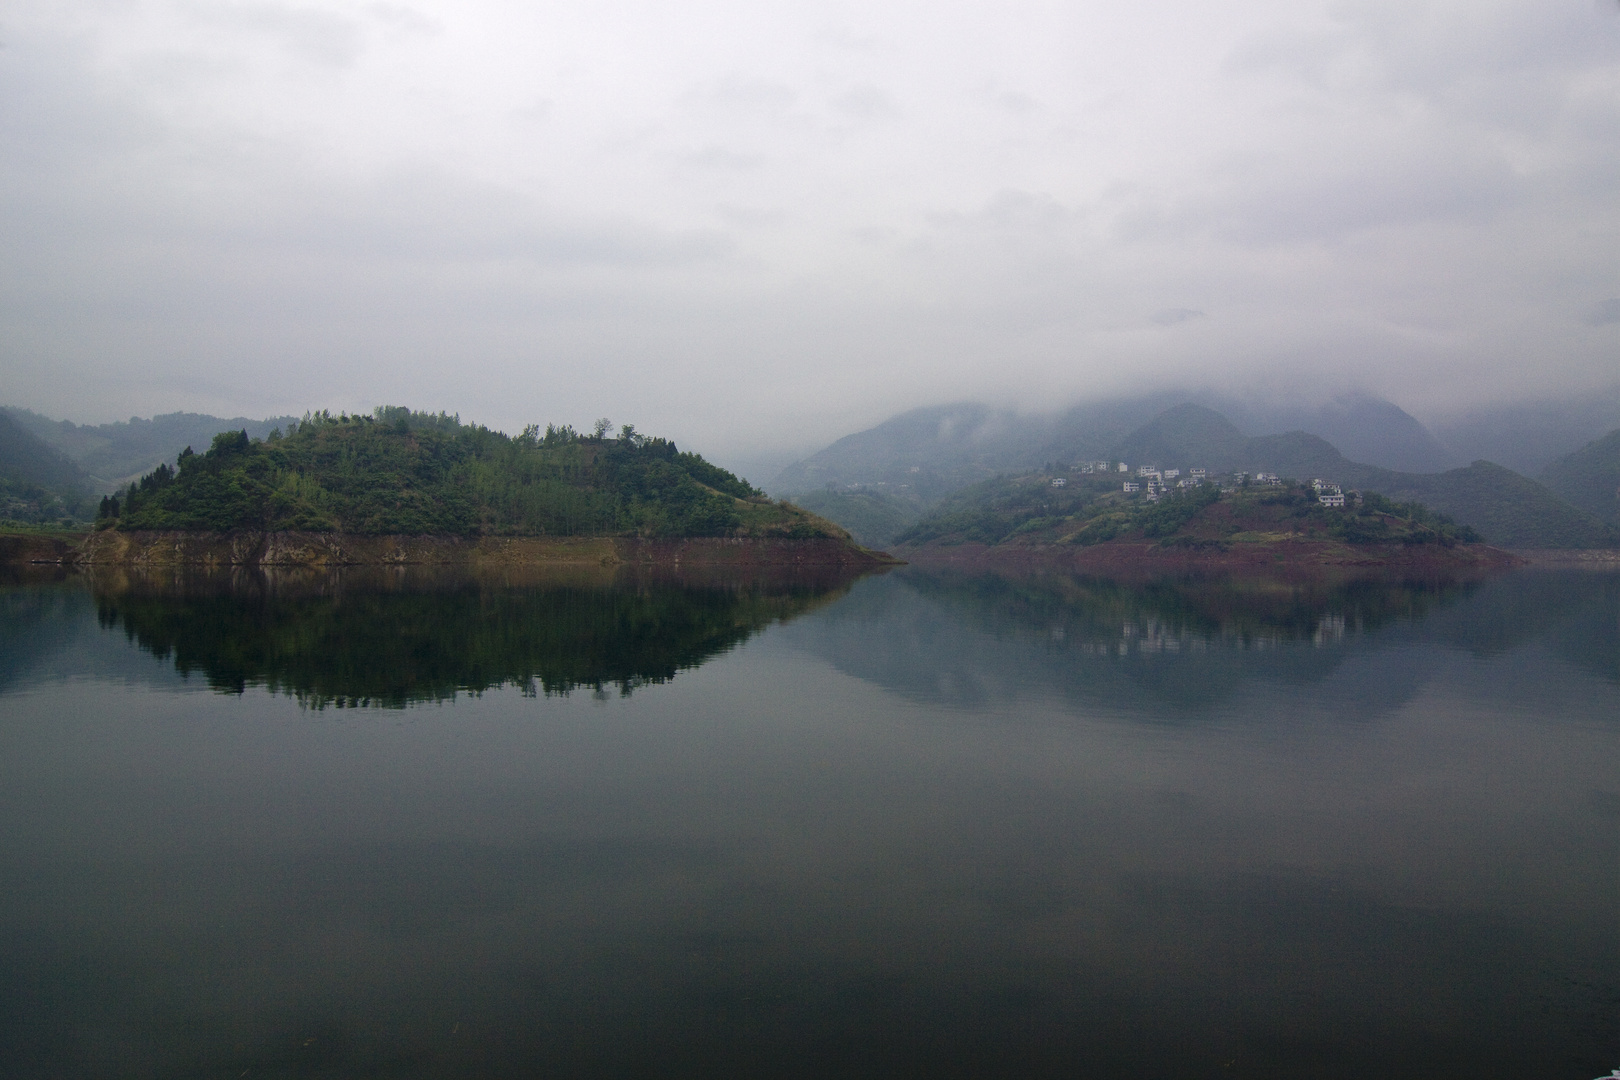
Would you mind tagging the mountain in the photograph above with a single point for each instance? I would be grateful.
(1528, 436)
(37, 484)
(925, 454)
(921, 454)
(114, 454)
(1590, 477)
(404, 472)
(29, 459)
(1364, 428)
(1508, 509)
(873, 518)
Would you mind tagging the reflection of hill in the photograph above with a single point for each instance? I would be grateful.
(1170, 647)
(388, 639)
(1192, 648)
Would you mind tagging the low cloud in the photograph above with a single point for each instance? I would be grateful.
(730, 223)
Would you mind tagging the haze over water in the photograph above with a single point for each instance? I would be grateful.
(917, 824)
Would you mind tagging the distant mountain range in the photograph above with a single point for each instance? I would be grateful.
(884, 479)
(37, 484)
(1590, 477)
(111, 455)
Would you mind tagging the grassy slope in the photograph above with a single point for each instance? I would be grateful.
(416, 473)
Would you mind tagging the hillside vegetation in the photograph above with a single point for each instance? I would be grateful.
(1029, 510)
(916, 461)
(1506, 508)
(113, 454)
(403, 472)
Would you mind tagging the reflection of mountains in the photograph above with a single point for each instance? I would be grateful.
(1195, 645)
(392, 638)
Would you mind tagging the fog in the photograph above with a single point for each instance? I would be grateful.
(755, 228)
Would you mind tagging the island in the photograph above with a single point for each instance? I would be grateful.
(401, 487)
(1126, 526)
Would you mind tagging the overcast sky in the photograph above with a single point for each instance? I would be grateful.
(758, 226)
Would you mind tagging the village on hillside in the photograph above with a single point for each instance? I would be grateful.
(1153, 483)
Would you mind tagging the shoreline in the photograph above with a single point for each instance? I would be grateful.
(253, 549)
(1129, 559)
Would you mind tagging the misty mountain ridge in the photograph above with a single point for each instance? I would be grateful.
(112, 455)
(1528, 436)
(37, 484)
(925, 453)
(1590, 477)
(973, 445)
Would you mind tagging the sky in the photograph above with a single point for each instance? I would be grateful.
(758, 227)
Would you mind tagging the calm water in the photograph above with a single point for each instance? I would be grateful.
(925, 825)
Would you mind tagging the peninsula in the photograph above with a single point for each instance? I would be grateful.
(400, 486)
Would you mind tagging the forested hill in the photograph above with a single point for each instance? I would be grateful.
(404, 472)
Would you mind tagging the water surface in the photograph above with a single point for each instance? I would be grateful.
(920, 824)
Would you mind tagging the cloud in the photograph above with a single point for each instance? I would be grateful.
(758, 225)
(1604, 312)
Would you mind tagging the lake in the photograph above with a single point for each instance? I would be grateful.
(407, 824)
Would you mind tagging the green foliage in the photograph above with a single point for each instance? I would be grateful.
(1000, 509)
(1092, 511)
(399, 471)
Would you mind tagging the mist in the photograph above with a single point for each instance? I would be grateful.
(754, 229)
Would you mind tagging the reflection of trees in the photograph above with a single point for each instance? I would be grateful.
(1173, 613)
(392, 639)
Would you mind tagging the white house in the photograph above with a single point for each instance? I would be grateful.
(1334, 499)
(1171, 474)
(1129, 487)
(1058, 481)
(1198, 474)
(1124, 467)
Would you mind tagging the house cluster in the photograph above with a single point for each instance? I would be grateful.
(1158, 481)
(1328, 494)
